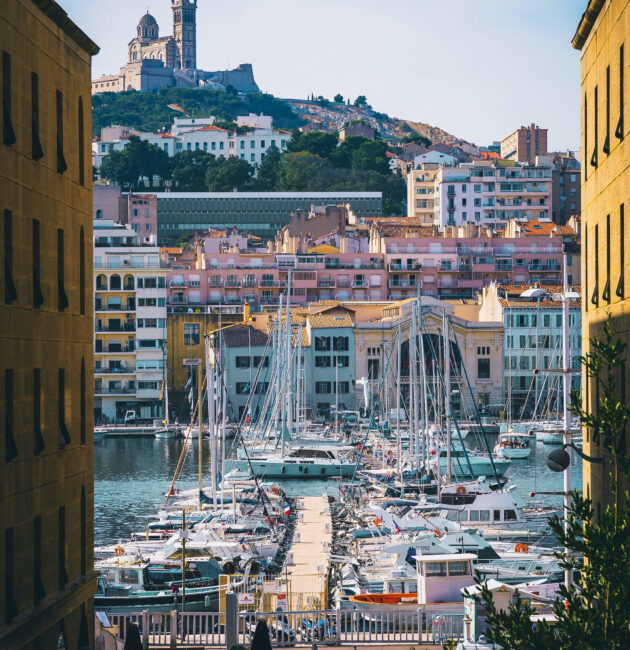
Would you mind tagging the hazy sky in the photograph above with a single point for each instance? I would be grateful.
(476, 68)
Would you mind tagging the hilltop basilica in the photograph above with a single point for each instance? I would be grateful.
(161, 62)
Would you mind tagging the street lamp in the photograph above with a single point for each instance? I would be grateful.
(558, 460)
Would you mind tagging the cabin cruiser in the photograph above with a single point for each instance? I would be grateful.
(514, 445)
(301, 462)
(468, 464)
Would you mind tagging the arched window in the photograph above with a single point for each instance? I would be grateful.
(101, 283)
(129, 283)
(114, 282)
(99, 214)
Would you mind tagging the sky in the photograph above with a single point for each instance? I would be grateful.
(478, 69)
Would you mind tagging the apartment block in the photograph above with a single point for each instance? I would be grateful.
(420, 190)
(532, 322)
(491, 193)
(129, 324)
(46, 330)
(525, 144)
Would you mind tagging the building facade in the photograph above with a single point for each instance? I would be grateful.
(491, 193)
(46, 330)
(533, 345)
(420, 190)
(259, 213)
(601, 37)
(129, 325)
(525, 144)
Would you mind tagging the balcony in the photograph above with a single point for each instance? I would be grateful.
(177, 283)
(465, 267)
(177, 300)
(115, 370)
(128, 348)
(130, 306)
(359, 284)
(122, 327)
(447, 266)
(249, 282)
(544, 266)
(326, 282)
(232, 282)
(273, 283)
(443, 284)
(114, 390)
(503, 266)
(402, 283)
(405, 268)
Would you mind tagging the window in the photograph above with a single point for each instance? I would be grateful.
(242, 362)
(62, 299)
(253, 157)
(38, 298)
(585, 135)
(619, 130)
(242, 388)
(622, 257)
(10, 608)
(191, 334)
(82, 271)
(38, 440)
(322, 344)
(322, 362)
(81, 142)
(483, 368)
(61, 161)
(82, 405)
(38, 585)
(10, 292)
(10, 448)
(36, 147)
(595, 129)
(322, 387)
(344, 387)
(459, 568)
(340, 343)
(64, 435)
(595, 296)
(8, 134)
(265, 362)
(61, 558)
(221, 145)
(83, 516)
(509, 515)
(435, 569)
(341, 361)
(373, 368)
(252, 144)
(606, 147)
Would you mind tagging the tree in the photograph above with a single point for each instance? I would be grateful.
(416, 138)
(595, 611)
(228, 174)
(361, 100)
(338, 98)
(371, 155)
(137, 161)
(319, 143)
(300, 171)
(267, 178)
(189, 169)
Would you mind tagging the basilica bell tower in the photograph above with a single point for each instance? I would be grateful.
(185, 33)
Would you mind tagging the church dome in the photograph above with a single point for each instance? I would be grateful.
(148, 27)
(147, 21)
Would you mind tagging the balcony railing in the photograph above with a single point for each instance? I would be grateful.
(114, 370)
(273, 283)
(502, 267)
(130, 306)
(402, 283)
(359, 284)
(108, 390)
(113, 349)
(544, 266)
(232, 283)
(123, 327)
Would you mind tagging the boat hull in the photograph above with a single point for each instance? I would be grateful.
(300, 470)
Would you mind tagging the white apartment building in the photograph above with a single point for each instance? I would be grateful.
(129, 324)
(491, 193)
(251, 146)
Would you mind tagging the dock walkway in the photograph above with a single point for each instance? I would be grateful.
(310, 555)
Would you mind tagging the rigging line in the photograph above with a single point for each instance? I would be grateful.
(375, 407)
(440, 377)
(478, 416)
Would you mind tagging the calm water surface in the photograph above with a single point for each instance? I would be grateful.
(133, 475)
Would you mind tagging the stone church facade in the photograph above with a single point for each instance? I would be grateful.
(156, 61)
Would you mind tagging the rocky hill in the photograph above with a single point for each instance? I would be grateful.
(331, 116)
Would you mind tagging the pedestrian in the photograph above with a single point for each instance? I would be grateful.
(262, 640)
(175, 588)
(132, 638)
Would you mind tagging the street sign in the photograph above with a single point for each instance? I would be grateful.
(246, 599)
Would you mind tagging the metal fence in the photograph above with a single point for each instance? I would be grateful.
(326, 627)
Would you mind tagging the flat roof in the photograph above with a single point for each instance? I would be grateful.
(266, 195)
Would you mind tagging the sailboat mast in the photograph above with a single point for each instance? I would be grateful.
(447, 390)
(200, 446)
(399, 450)
(211, 420)
(568, 578)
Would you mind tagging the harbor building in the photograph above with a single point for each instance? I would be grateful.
(532, 322)
(600, 37)
(129, 324)
(181, 214)
(46, 330)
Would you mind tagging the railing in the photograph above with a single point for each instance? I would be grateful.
(115, 308)
(115, 370)
(115, 328)
(108, 390)
(377, 627)
(549, 266)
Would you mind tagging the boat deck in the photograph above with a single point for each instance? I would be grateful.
(311, 550)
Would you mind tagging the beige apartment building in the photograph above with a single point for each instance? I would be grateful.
(420, 192)
(524, 144)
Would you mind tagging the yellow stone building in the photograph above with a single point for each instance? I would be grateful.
(46, 329)
(605, 57)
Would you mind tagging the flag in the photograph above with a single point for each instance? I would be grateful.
(287, 510)
(162, 391)
(188, 384)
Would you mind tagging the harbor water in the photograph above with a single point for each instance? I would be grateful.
(133, 475)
